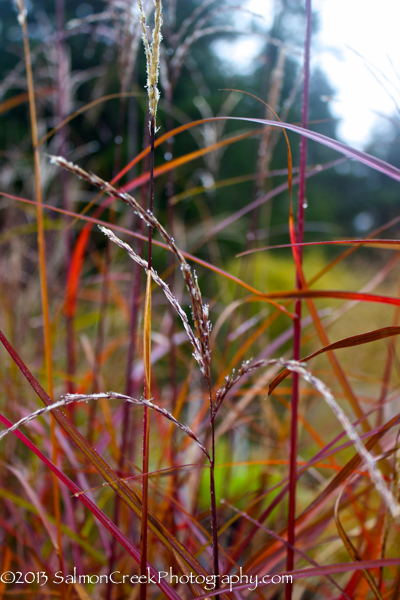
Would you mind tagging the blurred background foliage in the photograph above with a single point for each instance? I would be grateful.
(100, 49)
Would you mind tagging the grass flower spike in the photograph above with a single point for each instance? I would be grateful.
(152, 55)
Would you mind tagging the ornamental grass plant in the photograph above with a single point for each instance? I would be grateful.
(187, 412)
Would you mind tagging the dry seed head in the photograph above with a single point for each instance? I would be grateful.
(202, 352)
(152, 55)
(22, 12)
(298, 367)
(71, 398)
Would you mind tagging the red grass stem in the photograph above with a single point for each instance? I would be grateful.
(297, 322)
(213, 504)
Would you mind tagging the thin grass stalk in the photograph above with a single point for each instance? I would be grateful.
(38, 192)
(213, 502)
(151, 190)
(105, 273)
(170, 221)
(147, 363)
(133, 323)
(62, 110)
(174, 486)
(146, 434)
(129, 392)
(22, 15)
(153, 64)
(125, 448)
(298, 307)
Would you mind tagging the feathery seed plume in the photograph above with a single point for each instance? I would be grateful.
(152, 55)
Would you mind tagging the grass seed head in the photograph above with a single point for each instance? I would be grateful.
(152, 55)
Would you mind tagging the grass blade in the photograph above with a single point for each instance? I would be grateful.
(352, 550)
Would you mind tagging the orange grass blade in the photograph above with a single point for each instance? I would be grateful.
(24, 97)
(146, 422)
(182, 160)
(42, 269)
(389, 244)
(5, 566)
(147, 336)
(352, 550)
(75, 270)
(160, 140)
(341, 295)
(292, 234)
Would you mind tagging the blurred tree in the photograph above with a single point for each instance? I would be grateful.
(103, 55)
